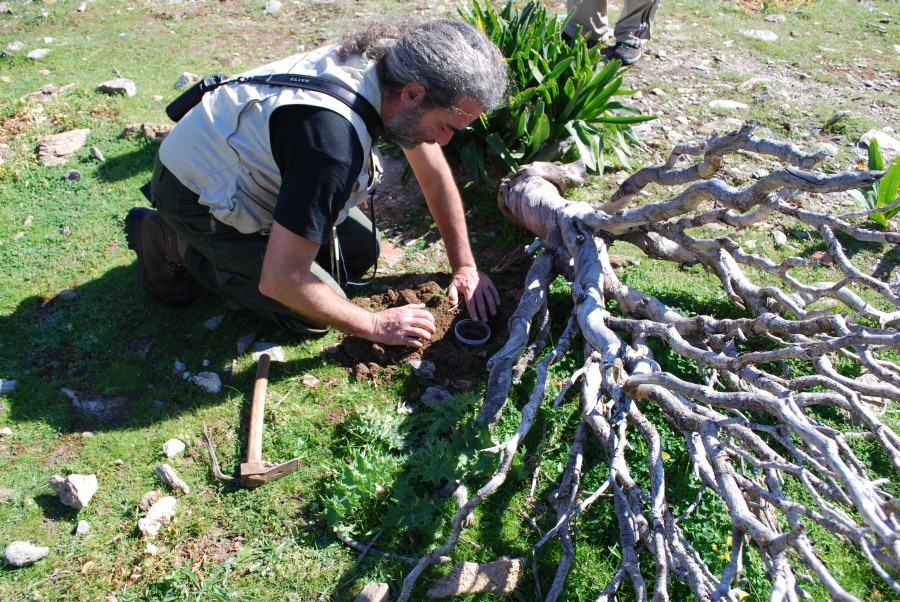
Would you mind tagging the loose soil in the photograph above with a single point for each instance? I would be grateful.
(453, 365)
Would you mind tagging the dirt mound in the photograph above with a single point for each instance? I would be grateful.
(451, 363)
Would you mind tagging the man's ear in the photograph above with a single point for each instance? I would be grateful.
(412, 94)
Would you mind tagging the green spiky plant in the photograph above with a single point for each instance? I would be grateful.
(559, 92)
(882, 193)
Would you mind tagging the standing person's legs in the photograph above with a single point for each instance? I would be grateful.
(224, 260)
(635, 19)
(590, 17)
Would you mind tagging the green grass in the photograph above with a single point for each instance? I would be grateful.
(272, 543)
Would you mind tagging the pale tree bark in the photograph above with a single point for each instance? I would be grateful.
(751, 426)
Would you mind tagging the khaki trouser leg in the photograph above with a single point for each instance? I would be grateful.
(592, 16)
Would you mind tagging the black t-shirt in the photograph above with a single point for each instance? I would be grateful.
(319, 156)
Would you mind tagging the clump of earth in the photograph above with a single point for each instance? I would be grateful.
(452, 363)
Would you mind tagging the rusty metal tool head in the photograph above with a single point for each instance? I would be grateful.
(255, 472)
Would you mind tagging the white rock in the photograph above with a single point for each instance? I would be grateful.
(173, 447)
(6, 385)
(208, 381)
(178, 367)
(168, 476)
(727, 104)
(151, 550)
(780, 237)
(272, 6)
(186, 79)
(22, 553)
(55, 150)
(76, 490)
(776, 19)
(82, 528)
(422, 368)
(82, 7)
(244, 342)
(5, 431)
(120, 86)
(435, 396)
(214, 322)
(15, 46)
(750, 245)
(48, 40)
(38, 53)
(885, 141)
(897, 48)
(760, 34)
(374, 592)
(158, 516)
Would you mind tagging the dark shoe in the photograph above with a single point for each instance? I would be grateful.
(627, 52)
(160, 271)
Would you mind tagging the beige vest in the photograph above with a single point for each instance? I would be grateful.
(220, 150)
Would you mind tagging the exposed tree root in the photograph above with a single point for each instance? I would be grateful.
(752, 428)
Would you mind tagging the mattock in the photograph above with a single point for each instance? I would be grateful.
(255, 472)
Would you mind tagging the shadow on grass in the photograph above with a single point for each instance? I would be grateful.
(102, 356)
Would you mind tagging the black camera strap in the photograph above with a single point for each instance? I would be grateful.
(337, 90)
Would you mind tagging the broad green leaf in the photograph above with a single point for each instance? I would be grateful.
(541, 132)
(876, 161)
(473, 160)
(888, 188)
(498, 147)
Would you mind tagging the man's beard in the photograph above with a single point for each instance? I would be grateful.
(403, 129)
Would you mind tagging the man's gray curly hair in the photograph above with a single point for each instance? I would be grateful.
(451, 59)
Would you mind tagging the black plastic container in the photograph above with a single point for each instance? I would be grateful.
(472, 335)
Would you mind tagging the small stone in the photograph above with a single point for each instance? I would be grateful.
(87, 434)
(56, 149)
(310, 381)
(657, 92)
(15, 46)
(22, 553)
(5, 431)
(173, 447)
(498, 577)
(118, 87)
(76, 490)
(186, 79)
(780, 237)
(82, 528)
(178, 367)
(435, 396)
(159, 515)
(170, 478)
(272, 6)
(82, 7)
(750, 245)
(149, 498)
(151, 550)
(97, 154)
(37, 53)
(208, 381)
(422, 368)
(66, 294)
(374, 592)
(885, 141)
(727, 105)
(244, 342)
(6, 385)
(214, 322)
(119, 462)
(759, 34)
(72, 175)
(776, 19)
(6, 493)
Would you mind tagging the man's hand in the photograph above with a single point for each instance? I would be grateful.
(406, 325)
(477, 290)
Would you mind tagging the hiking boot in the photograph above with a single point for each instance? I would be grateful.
(160, 271)
(627, 52)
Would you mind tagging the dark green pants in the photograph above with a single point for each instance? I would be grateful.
(229, 262)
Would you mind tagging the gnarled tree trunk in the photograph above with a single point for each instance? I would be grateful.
(751, 427)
